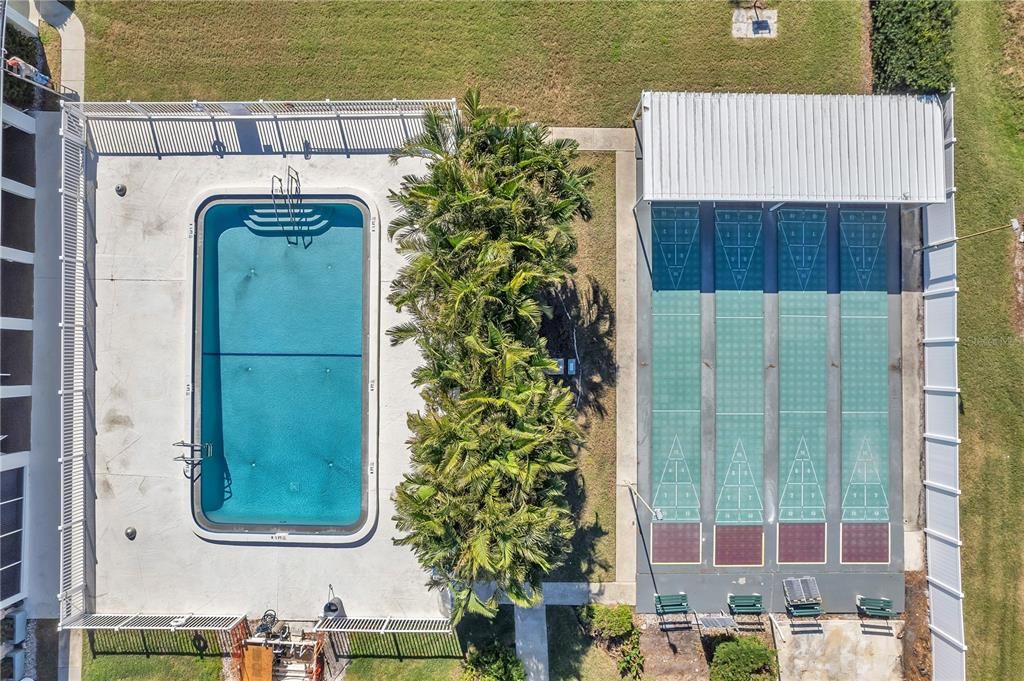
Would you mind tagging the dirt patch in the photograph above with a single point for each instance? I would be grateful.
(917, 642)
(866, 70)
(672, 655)
(1017, 313)
(1013, 46)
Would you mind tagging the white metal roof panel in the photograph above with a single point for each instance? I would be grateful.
(768, 147)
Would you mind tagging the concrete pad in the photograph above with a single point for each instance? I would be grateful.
(625, 359)
(532, 641)
(580, 593)
(841, 650)
(743, 23)
(913, 550)
(143, 403)
(599, 139)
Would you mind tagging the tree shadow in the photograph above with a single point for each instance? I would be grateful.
(582, 327)
(568, 642)
(582, 561)
(150, 643)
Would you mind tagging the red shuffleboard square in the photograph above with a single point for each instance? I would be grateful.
(865, 542)
(739, 545)
(675, 543)
(801, 542)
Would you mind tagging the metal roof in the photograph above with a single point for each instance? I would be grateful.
(769, 147)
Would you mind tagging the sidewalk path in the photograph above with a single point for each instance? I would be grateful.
(532, 641)
(599, 139)
(72, 42)
(621, 141)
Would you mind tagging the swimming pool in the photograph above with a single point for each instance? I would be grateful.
(282, 381)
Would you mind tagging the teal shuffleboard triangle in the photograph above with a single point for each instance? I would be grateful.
(865, 496)
(676, 494)
(803, 244)
(676, 245)
(739, 499)
(802, 497)
(738, 242)
(863, 243)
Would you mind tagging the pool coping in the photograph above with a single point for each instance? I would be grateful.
(360, 530)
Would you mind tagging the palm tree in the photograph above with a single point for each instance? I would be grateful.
(487, 229)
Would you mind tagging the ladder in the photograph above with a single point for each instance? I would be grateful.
(287, 200)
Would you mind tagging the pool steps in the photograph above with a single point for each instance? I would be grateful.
(298, 219)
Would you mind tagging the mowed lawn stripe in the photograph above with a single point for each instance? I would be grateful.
(568, 63)
(989, 166)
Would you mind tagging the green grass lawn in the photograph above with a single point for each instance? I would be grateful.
(153, 668)
(574, 655)
(990, 183)
(592, 306)
(473, 630)
(581, 63)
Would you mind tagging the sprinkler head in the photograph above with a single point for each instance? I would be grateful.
(130, 533)
(120, 189)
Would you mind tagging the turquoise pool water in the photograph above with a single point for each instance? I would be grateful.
(281, 393)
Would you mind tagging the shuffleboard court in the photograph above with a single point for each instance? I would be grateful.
(803, 382)
(739, 386)
(865, 386)
(675, 383)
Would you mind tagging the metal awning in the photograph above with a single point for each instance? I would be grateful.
(780, 147)
(383, 625)
(140, 622)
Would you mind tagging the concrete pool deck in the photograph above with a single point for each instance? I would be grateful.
(143, 278)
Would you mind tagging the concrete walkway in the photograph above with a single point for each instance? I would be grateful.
(532, 641)
(599, 139)
(72, 42)
(621, 142)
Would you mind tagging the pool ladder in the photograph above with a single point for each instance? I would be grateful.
(192, 461)
(290, 204)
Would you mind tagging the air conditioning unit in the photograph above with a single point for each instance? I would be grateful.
(13, 666)
(14, 627)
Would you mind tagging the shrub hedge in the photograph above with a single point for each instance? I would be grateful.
(18, 93)
(912, 45)
(745, 658)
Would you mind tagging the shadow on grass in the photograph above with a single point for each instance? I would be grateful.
(573, 653)
(583, 325)
(473, 630)
(153, 642)
(582, 560)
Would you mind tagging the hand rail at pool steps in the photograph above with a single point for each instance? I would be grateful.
(193, 460)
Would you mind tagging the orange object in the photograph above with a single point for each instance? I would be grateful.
(257, 663)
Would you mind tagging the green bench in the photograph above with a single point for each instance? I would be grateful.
(671, 604)
(878, 608)
(746, 604)
(796, 610)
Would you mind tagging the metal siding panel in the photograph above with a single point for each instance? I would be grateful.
(707, 144)
(949, 658)
(941, 371)
(941, 463)
(943, 512)
(943, 567)
(946, 608)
